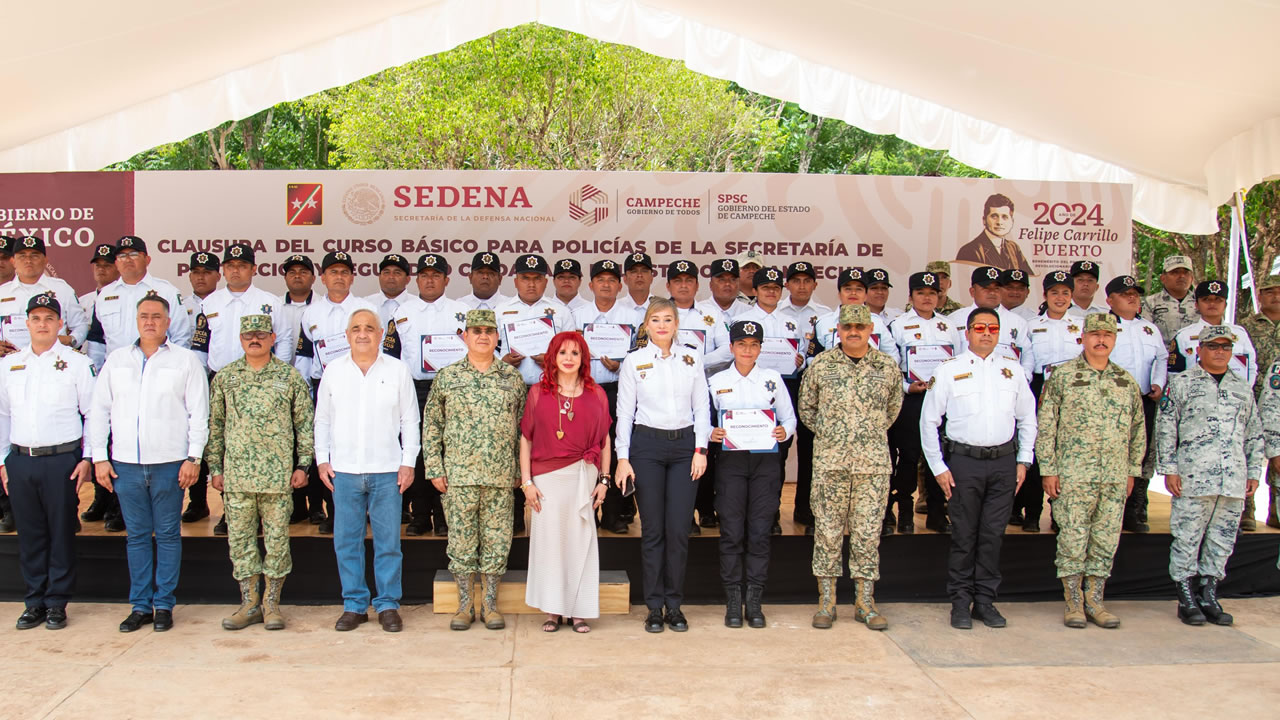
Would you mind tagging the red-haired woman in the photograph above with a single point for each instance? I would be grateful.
(564, 443)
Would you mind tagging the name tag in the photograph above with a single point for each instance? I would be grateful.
(8, 299)
(646, 366)
(963, 376)
(1033, 332)
(110, 297)
(910, 327)
(16, 368)
(725, 390)
(511, 312)
(210, 316)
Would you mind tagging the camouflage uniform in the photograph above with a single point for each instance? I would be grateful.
(258, 419)
(1265, 336)
(1269, 413)
(1092, 435)
(1168, 314)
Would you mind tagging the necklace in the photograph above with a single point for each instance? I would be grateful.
(566, 410)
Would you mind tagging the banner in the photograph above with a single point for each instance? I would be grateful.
(831, 221)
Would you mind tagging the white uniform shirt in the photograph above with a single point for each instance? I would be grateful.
(984, 402)
(888, 314)
(367, 422)
(1095, 308)
(323, 322)
(580, 304)
(805, 318)
(515, 310)
(619, 314)
(291, 319)
(42, 398)
(1244, 359)
(154, 410)
(881, 338)
(1054, 341)
(716, 353)
(911, 329)
(15, 294)
(1013, 335)
(94, 348)
(117, 311)
(387, 307)
(222, 311)
(1026, 310)
(778, 324)
(663, 393)
(625, 299)
(1140, 351)
(711, 307)
(417, 318)
(760, 389)
(474, 303)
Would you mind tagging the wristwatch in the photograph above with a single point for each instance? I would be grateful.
(303, 468)
(193, 460)
(700, 451)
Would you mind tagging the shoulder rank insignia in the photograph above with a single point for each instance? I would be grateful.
(1007, 373)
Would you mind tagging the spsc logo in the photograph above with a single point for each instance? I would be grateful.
(589, 205)
(304, 204)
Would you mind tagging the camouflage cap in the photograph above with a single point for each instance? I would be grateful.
(855, 315)
(1100, 321)
(255, 323)
(1173, 262)
(939, 266)
(1217, 332)
(1268, 282)
(481, 318)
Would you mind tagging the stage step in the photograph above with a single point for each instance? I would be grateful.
(615, 593)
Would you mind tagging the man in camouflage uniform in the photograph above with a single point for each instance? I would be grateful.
(1092, 437)
(1174, 307)
(1210, 450)
(1269, 412)
(850, 396)
(1264, 331)
(470, 433)
(260, 419)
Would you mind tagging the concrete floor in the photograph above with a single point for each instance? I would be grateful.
(1151, 666)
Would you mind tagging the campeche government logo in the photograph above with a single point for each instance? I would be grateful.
(589, 205)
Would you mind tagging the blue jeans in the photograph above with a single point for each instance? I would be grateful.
(377, 497)
(152, 504)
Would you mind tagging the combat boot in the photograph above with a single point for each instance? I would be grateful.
(864, 605)
(466, 606)
(250, 610)
(755, 615)
(1094, 588)
(1273, 507)
(1188, 611)
(1208, 601)
(489, 611)
(271, 614)
(1248, 522)
(733, 606)
(826, 614)
(1074, 616)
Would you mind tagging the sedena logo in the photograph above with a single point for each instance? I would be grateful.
(589, 205)
(304, 204)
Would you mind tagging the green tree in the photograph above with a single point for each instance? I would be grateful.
(289, 135)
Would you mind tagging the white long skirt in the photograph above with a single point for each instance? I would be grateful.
(564, 563)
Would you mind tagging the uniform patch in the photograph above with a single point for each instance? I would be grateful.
(708, 320)
(1037, 330)
(942, 326)
(1006, 372)
(211, 316)
(9, 299)
(1073, 328)
(724, 390)
(911, 327)
(111, 297)
(59, 364)
(16, 368)
(510, 312)
(646, 366)
(688, 359)
(1166, 402)
(1147, 329)
(1275, 381)
(770, 385)
(963, 376)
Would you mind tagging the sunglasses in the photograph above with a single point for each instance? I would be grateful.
(255, 335)
(993, 328)
(1218, 347)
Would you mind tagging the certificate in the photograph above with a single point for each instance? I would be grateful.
(777, 353)
(13, 328)
(441, 350)
(531, 336)
(750, 430)
(923, 360)
(332, 348)
(611, 340)
(1009, 350)
(696, 339)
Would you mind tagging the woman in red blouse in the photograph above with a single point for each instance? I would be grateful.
(564, 443)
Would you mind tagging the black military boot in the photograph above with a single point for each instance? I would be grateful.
(733, 606)
(1208, 602)
(1188, 611)
(755, 615)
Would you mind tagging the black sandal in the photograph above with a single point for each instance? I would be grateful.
(550, 626)
(581, 627)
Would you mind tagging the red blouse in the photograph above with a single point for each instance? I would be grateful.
(584, 435)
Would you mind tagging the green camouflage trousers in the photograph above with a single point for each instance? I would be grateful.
(844, 501)
(1089, 515)
(243, 511)
(1204, 534)
(479, 528)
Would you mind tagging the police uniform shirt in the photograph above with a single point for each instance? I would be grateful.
(1013, 334)
(716, 352)
(826, 337)
(664, 393)
(191, 302)
(1054, 342)
(805, 318)
(117, 311)
(760, 389)
(387, 306)
(619, 314)
(493, 303)
(222, 311)
(42, 398)
(778, 325)
(93, 346)
(625, 299)
(515, 310)
(984, 402)
(1244, 359)
(1095, 308)
(323, 320)
(1140, 351)
(911, 329)
(711, 307)
(889, 314)
(581, 305)
(414, 320)
(1027, 311)
(15, 294)
(291, 319)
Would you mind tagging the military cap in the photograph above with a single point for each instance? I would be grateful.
(6, 245)
(1173, 262)
(767, 276)
(743, 329)
(481, 318)
(103, 251)
(1085, 267)
(635, 259)
(939, 267)
(131, 242)
(239, 251)
(432, 261)
(682, 267)
(923, 281)
(750, 257)
(29, 242)
(569, 265)
(1268, 282)
(605, 266)
(531, 263)
(1124, 283)
(855, 315)
(877, 276)
(255, 323)
(801, 268)
(725, 265)
(1009, 277)
(486, 261)
(985, 276)
(394, 260)
(302, 260)
(1058, 277)
(1100, 321)
(1216, 332)
(45, 300)
(1211, 288)
(337, 258)
(205, 260)
(849, 275)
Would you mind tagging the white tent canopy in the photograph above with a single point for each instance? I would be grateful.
(1181, 98)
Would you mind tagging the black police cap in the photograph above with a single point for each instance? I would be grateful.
(46, 301)
(985, 276)
(293, 260)
(394, 260)
(1058, 277)
(29, 242)
(725, 265)
(432, 261)
(801, 268)
(239, 251)
(1014, 275)
(923, 281)
(131, 242)
(1211, 288)
(682, 267)
(746, 329)
(531, 263)
(605, 266)
(1124, 283)
(849, 275)
(337, 258)
(877, 276)
(568, 265)
(486, 261)
(103, 251)
(1085, 267)
(205, 260)
(635, 259)
(767, 276)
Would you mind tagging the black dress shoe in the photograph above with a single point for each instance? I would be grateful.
(31, 617)
(1015, 518)
(417, 527)
(940, 525)
(808, 529)
(440, 529)
(164, 620)
(708, 521)
(886, 528)
(56, 619)
(989, 615)
(676, 620)
(906, 524)
(960, 619)
(221, 528)
(135, 621)
(694, 530)
(6, 523)
(653, 623)
(405, 518)
(325, 527)
(316, 517)
(299, 514)
(1031, 526)
(94, 512)
(349, 621)
(617, 527)
(195, 512)
(113, 523)
(776, 529)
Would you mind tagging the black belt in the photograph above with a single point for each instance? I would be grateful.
(662, 434)
(47, 450)
(977, 451)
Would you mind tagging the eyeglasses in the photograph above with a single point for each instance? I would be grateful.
(1217, 347)
(128, 255)
(255, 335)
(993, 328)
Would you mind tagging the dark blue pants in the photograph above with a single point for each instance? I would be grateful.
(980, 505)
(665, 494)
(44, 504)
(746, 500)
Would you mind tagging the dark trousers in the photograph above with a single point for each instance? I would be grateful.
(706, 503)
(1030, 499)
(106, 500)
(422, 499)
(6, 507)
(803, 444)
(746, 499)
(665, 495)
(980, 505)
(615, 506)
(319, 497)
(1135, 506)
(904, 448)
(44, 505)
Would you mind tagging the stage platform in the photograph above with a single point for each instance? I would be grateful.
(912, 567)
